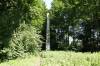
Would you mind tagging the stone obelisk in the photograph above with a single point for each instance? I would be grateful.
(48, 33)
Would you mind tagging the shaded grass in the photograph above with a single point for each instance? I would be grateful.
(62, 58)
(28, 61)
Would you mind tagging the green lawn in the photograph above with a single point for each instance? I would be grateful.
(58, 58)
(61, 58)
(28, 61)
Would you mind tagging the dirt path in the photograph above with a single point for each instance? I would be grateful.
(38, 62)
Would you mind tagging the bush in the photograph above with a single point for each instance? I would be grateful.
(25, 39)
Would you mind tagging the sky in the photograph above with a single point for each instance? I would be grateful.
(48, 3)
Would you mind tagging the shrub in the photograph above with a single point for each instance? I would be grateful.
(25, 39)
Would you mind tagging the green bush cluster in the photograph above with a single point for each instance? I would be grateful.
(25, 39)
(20, 26)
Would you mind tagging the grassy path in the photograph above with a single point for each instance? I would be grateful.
(29, 61)
(38, 62)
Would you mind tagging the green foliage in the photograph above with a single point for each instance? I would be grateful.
(62, 58)
(39, 14)
(25, 39)
(20, 25)
(72, 13)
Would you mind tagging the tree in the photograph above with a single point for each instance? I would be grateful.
(69, 14)
(24, 19)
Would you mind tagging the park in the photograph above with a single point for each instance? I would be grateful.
(49, 32)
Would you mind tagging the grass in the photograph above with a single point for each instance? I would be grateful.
(28, 61)
(58, 58)
(62, 58)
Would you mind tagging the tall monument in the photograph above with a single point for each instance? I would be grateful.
(48, 33)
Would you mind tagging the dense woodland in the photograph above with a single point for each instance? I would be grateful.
(74, 25)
